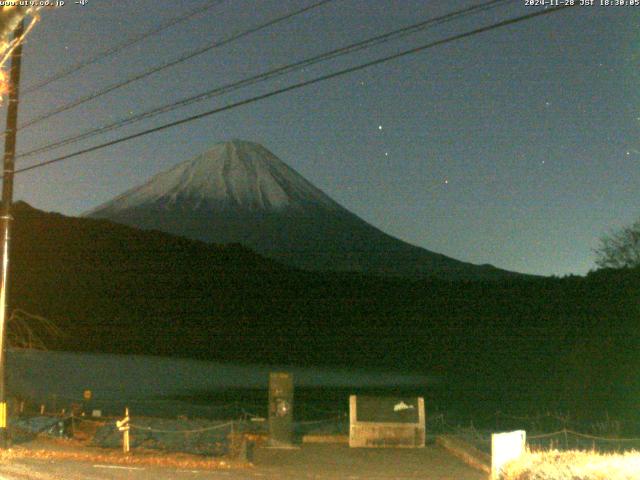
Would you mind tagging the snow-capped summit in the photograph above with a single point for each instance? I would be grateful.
(239, 192)
(237, 175)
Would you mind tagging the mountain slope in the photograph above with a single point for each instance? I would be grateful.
(239, 192)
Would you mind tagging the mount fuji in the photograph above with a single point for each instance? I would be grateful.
(240, 192)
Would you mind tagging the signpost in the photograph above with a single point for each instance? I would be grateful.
(280, 409)
(123, 426)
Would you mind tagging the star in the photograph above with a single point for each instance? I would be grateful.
(379, 127)
(386, 154)
(446, 181)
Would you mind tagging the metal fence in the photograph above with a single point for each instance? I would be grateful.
(559, 440)
(210, 428)
(193, 436)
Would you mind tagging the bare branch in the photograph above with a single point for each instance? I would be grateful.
(620, 249)
(27, 330)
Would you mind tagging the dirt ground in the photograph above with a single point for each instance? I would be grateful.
(336, 461)
(310, 461)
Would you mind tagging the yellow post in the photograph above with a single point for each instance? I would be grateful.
(123, 426)
(125, 440)
(3, 415)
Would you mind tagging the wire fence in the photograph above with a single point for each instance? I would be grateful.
(193, 436)
(177, 407)
(571, 440)
(209, 429)
(562, 439)
(211, 437)
(204, 437)
(188, 436)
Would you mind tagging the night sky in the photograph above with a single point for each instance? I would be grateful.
(518, 147)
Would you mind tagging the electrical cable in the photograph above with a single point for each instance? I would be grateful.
(171, 63)
(118, 48)
(297, 86)
(268, 75)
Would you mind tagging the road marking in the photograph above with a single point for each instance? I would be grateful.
(118, 467)
(202, 471)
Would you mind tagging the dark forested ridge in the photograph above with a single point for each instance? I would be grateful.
(570, 343)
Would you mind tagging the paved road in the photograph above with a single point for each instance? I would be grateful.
(318, 462)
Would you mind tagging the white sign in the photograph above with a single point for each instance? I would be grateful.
(123, 425)
(504, 448)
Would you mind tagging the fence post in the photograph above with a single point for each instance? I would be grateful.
(123, 426)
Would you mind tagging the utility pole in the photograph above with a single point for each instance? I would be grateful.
(5, 219)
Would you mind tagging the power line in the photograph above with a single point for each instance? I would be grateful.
(118, 48)
(171, 63)
(270, 74)
(296, 86)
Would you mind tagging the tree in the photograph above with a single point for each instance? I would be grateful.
(27, 330)
(620, 249)
(10, 16)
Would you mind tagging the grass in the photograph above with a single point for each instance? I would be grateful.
(574, 465)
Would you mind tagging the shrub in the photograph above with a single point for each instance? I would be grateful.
(574, 465)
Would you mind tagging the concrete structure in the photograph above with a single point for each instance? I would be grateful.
(386, 422)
